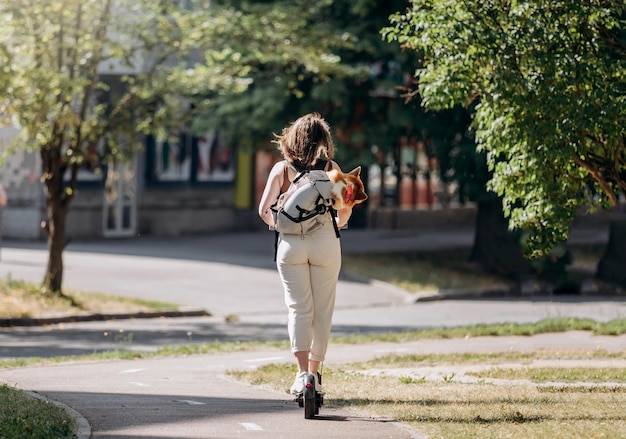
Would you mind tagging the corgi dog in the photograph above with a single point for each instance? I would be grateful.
(347, 189)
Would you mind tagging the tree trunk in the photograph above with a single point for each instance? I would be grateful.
(57, 203)
(613, 263)
(55, 226)
(496, 249)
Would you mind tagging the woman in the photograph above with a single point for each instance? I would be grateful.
(308, 265)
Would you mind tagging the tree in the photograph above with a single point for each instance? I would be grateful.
(289, 80)
(496, 249)
(76, 73)
(286, 46)
(547, 80)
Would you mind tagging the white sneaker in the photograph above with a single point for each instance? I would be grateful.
(298, 384)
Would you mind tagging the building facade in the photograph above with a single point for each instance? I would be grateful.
(195, 185)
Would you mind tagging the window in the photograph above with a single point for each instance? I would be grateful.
(173, 159)
(214, 159)
(190, 159)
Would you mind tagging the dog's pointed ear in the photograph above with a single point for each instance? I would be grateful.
(356, 171)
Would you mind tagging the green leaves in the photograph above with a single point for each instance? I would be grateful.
(550, 78)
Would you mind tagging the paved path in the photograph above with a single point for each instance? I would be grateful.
(233, 275)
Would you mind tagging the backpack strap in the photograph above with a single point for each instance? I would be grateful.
(332, 216)
(320, 165)
(286, 181)
(283, 189)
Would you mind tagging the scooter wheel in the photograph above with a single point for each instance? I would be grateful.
(310, 410)
(319, 402)
(310, 400)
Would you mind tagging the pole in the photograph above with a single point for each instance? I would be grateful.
(1, 212)
(3, 202)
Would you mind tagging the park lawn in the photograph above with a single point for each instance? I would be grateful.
(422, 271)
(19, 299)
(450, 269)
(433, 395)
(24, 416)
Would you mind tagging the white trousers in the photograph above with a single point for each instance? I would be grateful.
(309, 269)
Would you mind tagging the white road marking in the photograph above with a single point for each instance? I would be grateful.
(189, 401)
(251, 427)
(138, 384)
(259, 360)
(131, 371)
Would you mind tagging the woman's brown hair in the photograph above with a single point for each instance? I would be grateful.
(307, 139)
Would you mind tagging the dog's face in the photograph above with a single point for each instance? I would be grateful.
(348, 189)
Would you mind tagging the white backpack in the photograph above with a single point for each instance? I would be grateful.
(300, 209)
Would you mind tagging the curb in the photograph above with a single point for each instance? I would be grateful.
(507, 293)
(73, 318)
(464, 294)
(83, 428)
(497, 291)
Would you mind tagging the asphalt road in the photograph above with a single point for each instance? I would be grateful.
(232, 277)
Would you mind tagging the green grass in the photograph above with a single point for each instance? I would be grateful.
(422, 271)
(613, 327)
(411, 360)
(125, 352)
(450, 269)
(570, 374)
(23, 416)
(19, 299)
(447, 406)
